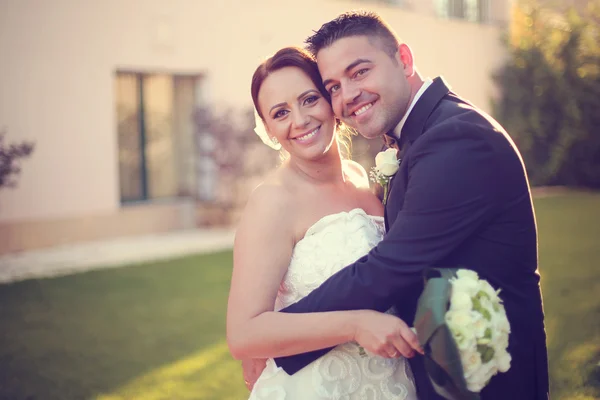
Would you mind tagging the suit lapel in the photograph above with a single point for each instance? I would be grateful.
(415, 123)
(413, 128)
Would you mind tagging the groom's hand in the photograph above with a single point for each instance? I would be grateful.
(252, 368)
(385, 335)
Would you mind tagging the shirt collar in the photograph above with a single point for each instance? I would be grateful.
(424, 86)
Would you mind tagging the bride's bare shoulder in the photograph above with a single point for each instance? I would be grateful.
(356, 174)
(270, 200)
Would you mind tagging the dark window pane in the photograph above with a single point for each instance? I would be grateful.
(128, 131)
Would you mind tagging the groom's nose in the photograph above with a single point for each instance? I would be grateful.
(350, 93)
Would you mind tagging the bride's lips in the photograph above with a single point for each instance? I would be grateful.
(308, 137)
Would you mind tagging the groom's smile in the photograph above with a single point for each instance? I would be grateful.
(362, 110)
(360, 113)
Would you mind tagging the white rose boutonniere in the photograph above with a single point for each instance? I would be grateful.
(386, 165)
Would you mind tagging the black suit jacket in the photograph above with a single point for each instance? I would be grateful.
(460, 199)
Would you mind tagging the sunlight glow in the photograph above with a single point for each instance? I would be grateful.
(208, 374)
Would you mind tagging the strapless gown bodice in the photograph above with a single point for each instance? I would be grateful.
(345, 373)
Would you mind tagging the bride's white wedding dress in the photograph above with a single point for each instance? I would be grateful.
(329, 245)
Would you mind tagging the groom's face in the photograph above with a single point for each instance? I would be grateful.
(369, 88)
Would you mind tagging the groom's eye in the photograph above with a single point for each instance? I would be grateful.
(361, 72)
(333, 88)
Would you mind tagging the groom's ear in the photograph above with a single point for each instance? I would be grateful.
(405, 58)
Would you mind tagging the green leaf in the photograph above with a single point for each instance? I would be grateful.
(488, 333)
(476, 304)
(482, 294)
(486, 314)
(486, 352)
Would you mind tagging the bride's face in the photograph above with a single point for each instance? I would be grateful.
(296, 113)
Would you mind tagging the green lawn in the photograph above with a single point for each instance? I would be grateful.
(143, 332)
(569, 246)
(157, 331)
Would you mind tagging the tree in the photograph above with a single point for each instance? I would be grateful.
(551, 93)
(10, 157)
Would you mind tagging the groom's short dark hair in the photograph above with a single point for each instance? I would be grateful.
(354, 23)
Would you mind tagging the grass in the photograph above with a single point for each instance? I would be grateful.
(569, 248)
(151, 332)
(157, 331)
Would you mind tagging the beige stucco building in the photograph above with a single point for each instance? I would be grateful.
(75, 76)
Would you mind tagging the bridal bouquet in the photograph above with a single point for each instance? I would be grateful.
(463, 327)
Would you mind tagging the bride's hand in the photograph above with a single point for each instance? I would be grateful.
(385, 335)
(252, 368)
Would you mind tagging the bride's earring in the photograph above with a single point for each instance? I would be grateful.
(275, 141)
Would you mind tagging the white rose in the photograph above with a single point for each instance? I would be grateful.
(481, 376)
(471, 361)
(500, 321)
(460, 301)
(503, 361)
(500, 341)
(467, 273)
(459, 318)
(464, 340)
(488, 289)
(459, 322)
(475, 386)
(465, 285)
(386, 162)
(480, 325)
(491, 369)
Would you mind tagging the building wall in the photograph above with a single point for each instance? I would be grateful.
(57, 81)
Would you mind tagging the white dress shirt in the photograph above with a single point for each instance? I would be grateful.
(398, 128)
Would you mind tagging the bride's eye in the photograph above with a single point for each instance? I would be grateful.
(310, 100)
(280, 113)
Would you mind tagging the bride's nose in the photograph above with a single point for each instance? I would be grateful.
(300, 120)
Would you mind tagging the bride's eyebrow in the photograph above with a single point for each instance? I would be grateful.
(299, 97)
(307, 92)
(277, 106)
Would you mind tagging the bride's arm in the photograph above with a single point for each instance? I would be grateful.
(262, 252)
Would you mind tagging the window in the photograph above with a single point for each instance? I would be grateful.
(470, 10)
(155, 135)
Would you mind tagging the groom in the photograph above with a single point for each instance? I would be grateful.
(460, 199)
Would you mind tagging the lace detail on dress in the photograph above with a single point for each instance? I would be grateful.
(329, 245)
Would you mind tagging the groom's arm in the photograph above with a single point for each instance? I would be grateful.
(452, 189)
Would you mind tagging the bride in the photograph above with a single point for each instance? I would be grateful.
(311, 217)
